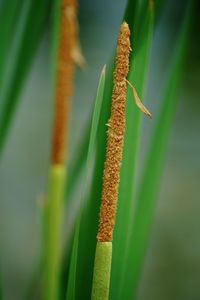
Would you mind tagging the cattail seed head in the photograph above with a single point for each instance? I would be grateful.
(64, 79)
(115, 139)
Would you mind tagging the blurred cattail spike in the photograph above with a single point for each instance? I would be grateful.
(68, 32)
(68, 46)
(70, 9)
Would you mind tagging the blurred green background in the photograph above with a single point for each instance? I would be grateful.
(172, 264)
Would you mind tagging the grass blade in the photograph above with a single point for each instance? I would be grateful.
(8, 20)
(89, 219)
(137, 75)
(1, 288)
(73, 264)
(92, 142)
(24, 50)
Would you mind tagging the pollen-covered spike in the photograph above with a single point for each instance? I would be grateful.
(115, 139)
(64, 79)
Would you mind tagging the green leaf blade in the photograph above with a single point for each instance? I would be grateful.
(26, 44)
(137, 76)
(89, 221)
(71, 287)
(143, 214)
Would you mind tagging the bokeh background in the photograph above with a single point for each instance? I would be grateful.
(172, 264)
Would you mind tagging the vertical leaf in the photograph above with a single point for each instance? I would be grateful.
(71, 285)
(28, 33)
(91, 147)
(137, 75)
(89, 219)
(141, 223)
(8, 20)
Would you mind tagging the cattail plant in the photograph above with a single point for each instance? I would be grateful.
(111, 176)
(67, 53)
(128, 234)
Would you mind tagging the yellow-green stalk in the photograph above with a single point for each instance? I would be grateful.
(53, 225)
(66, 54)
(102, 270)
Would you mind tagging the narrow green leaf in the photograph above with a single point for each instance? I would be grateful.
(95, 120)
(12, 47)
(143, 215)
(91, 149)
(1, 288)
(137, 76)
(28, 34)
(72, 269)
(89, 219)
(8, 20)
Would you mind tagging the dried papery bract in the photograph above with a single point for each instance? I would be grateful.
(115, 141)
(138, 102)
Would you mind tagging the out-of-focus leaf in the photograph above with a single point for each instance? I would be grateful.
(137, 75)
(143, 214)
(91, 148)
(89, 219)
(79, 161)
(8, 18)
(71, 283)
(26, 37)
(1, 289)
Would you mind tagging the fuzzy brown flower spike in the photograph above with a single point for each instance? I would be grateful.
(68, 54)
(115, 140)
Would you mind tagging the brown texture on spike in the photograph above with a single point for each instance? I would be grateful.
(68, 36)
(151, 4)
(115, 139)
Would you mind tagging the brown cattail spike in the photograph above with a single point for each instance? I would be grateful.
(70, 8)
(151, 4)
(64, 79)
(115, 141)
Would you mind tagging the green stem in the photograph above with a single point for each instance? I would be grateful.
(102, 270)
(52, 238)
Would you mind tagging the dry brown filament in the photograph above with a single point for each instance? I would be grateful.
(138, 101)
(115, 140)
